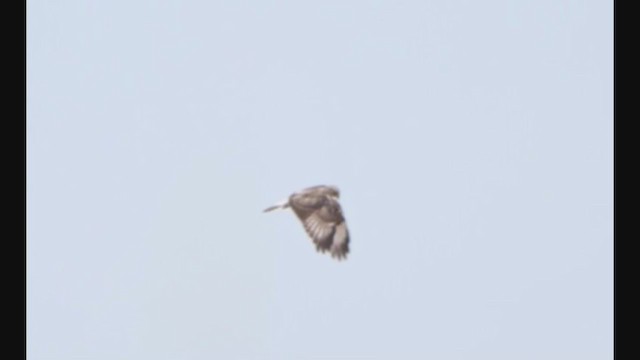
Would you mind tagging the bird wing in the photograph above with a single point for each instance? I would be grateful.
(331, 212)
(320, 231)
(322, 219)
(340, 243)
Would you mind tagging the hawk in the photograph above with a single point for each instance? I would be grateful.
(319, 211)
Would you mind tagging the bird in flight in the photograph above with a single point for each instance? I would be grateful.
(319, 211)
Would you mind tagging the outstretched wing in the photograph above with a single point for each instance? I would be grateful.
(323, 221)
(307, 207)
(320, 231)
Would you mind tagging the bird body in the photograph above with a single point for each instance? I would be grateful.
(321, 215)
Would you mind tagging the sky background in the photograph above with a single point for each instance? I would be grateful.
(471, 140)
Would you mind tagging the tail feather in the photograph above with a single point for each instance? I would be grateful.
(280, 205)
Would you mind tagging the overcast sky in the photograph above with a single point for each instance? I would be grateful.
(471, 140)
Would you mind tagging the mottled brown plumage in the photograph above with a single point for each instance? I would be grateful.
(321, 215)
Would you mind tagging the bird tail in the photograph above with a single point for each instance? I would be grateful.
(281, 205)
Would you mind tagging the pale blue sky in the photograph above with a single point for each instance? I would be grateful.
(471, 140)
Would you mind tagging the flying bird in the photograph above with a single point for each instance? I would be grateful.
(319, 211)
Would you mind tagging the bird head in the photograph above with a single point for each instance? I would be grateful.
(333, 191)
